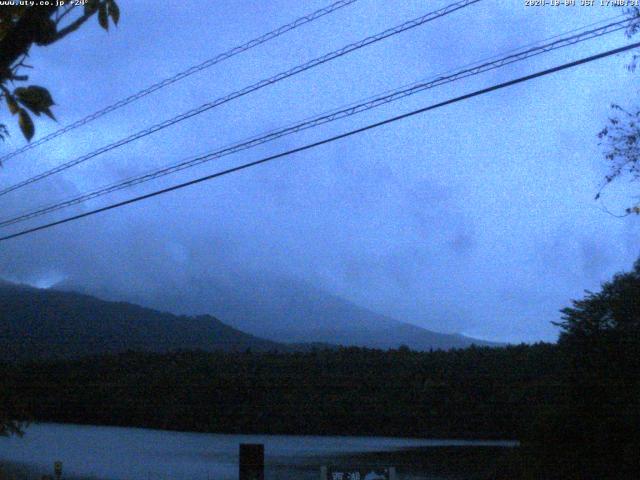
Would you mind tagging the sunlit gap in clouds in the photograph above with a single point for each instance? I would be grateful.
(45, 280)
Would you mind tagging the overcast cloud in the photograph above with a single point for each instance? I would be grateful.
(476, 218)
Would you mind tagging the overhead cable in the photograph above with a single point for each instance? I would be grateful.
(309, 146)
(182, 75)
(245, 91)
(351, 110)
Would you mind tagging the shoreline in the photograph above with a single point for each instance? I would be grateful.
(437, 462)
(284, 454)
(460, 441)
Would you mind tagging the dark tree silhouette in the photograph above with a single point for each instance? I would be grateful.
(12, 413)
(594, 433)
(614, 310)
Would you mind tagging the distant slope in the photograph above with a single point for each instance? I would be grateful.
(38, 324)
(281, 308)
(287, 310)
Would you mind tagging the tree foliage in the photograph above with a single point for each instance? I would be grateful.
(21, 27)
(614, 310)
(593, 433)
(479, 392)
(620, 138)
(12, 415)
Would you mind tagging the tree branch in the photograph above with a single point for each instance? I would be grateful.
(73, 26)
(61, 16)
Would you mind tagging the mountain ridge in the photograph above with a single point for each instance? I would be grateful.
(37, 324)
(281, 307)
(54, 323)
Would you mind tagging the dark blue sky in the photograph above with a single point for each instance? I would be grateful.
(476, 218)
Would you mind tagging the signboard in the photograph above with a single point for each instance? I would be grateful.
(360, 473)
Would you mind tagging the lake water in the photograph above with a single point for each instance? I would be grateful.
(141, 454)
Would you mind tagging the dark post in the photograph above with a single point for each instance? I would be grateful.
(57, 469)
(251, 461)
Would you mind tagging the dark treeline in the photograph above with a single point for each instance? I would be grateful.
(471, 393)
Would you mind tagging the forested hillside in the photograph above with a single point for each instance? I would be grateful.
(472, 393)
(45, 324)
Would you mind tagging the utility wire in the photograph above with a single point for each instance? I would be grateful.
(184, 74)
(348, 111)
(350, 133)
(245, 91)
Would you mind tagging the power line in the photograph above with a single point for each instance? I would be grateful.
(348, 111)
(245, 91)
(184, 74)
(350, 133)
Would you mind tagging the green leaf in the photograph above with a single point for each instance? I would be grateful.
(103, 16)
(26, 124)
(35, 98)
(48, 113)
(42, 95)
(114, 11)
(90, 7)
(11, 103)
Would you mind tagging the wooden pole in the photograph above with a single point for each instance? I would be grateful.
(251, 461)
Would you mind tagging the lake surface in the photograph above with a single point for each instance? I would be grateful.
(115, 453)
